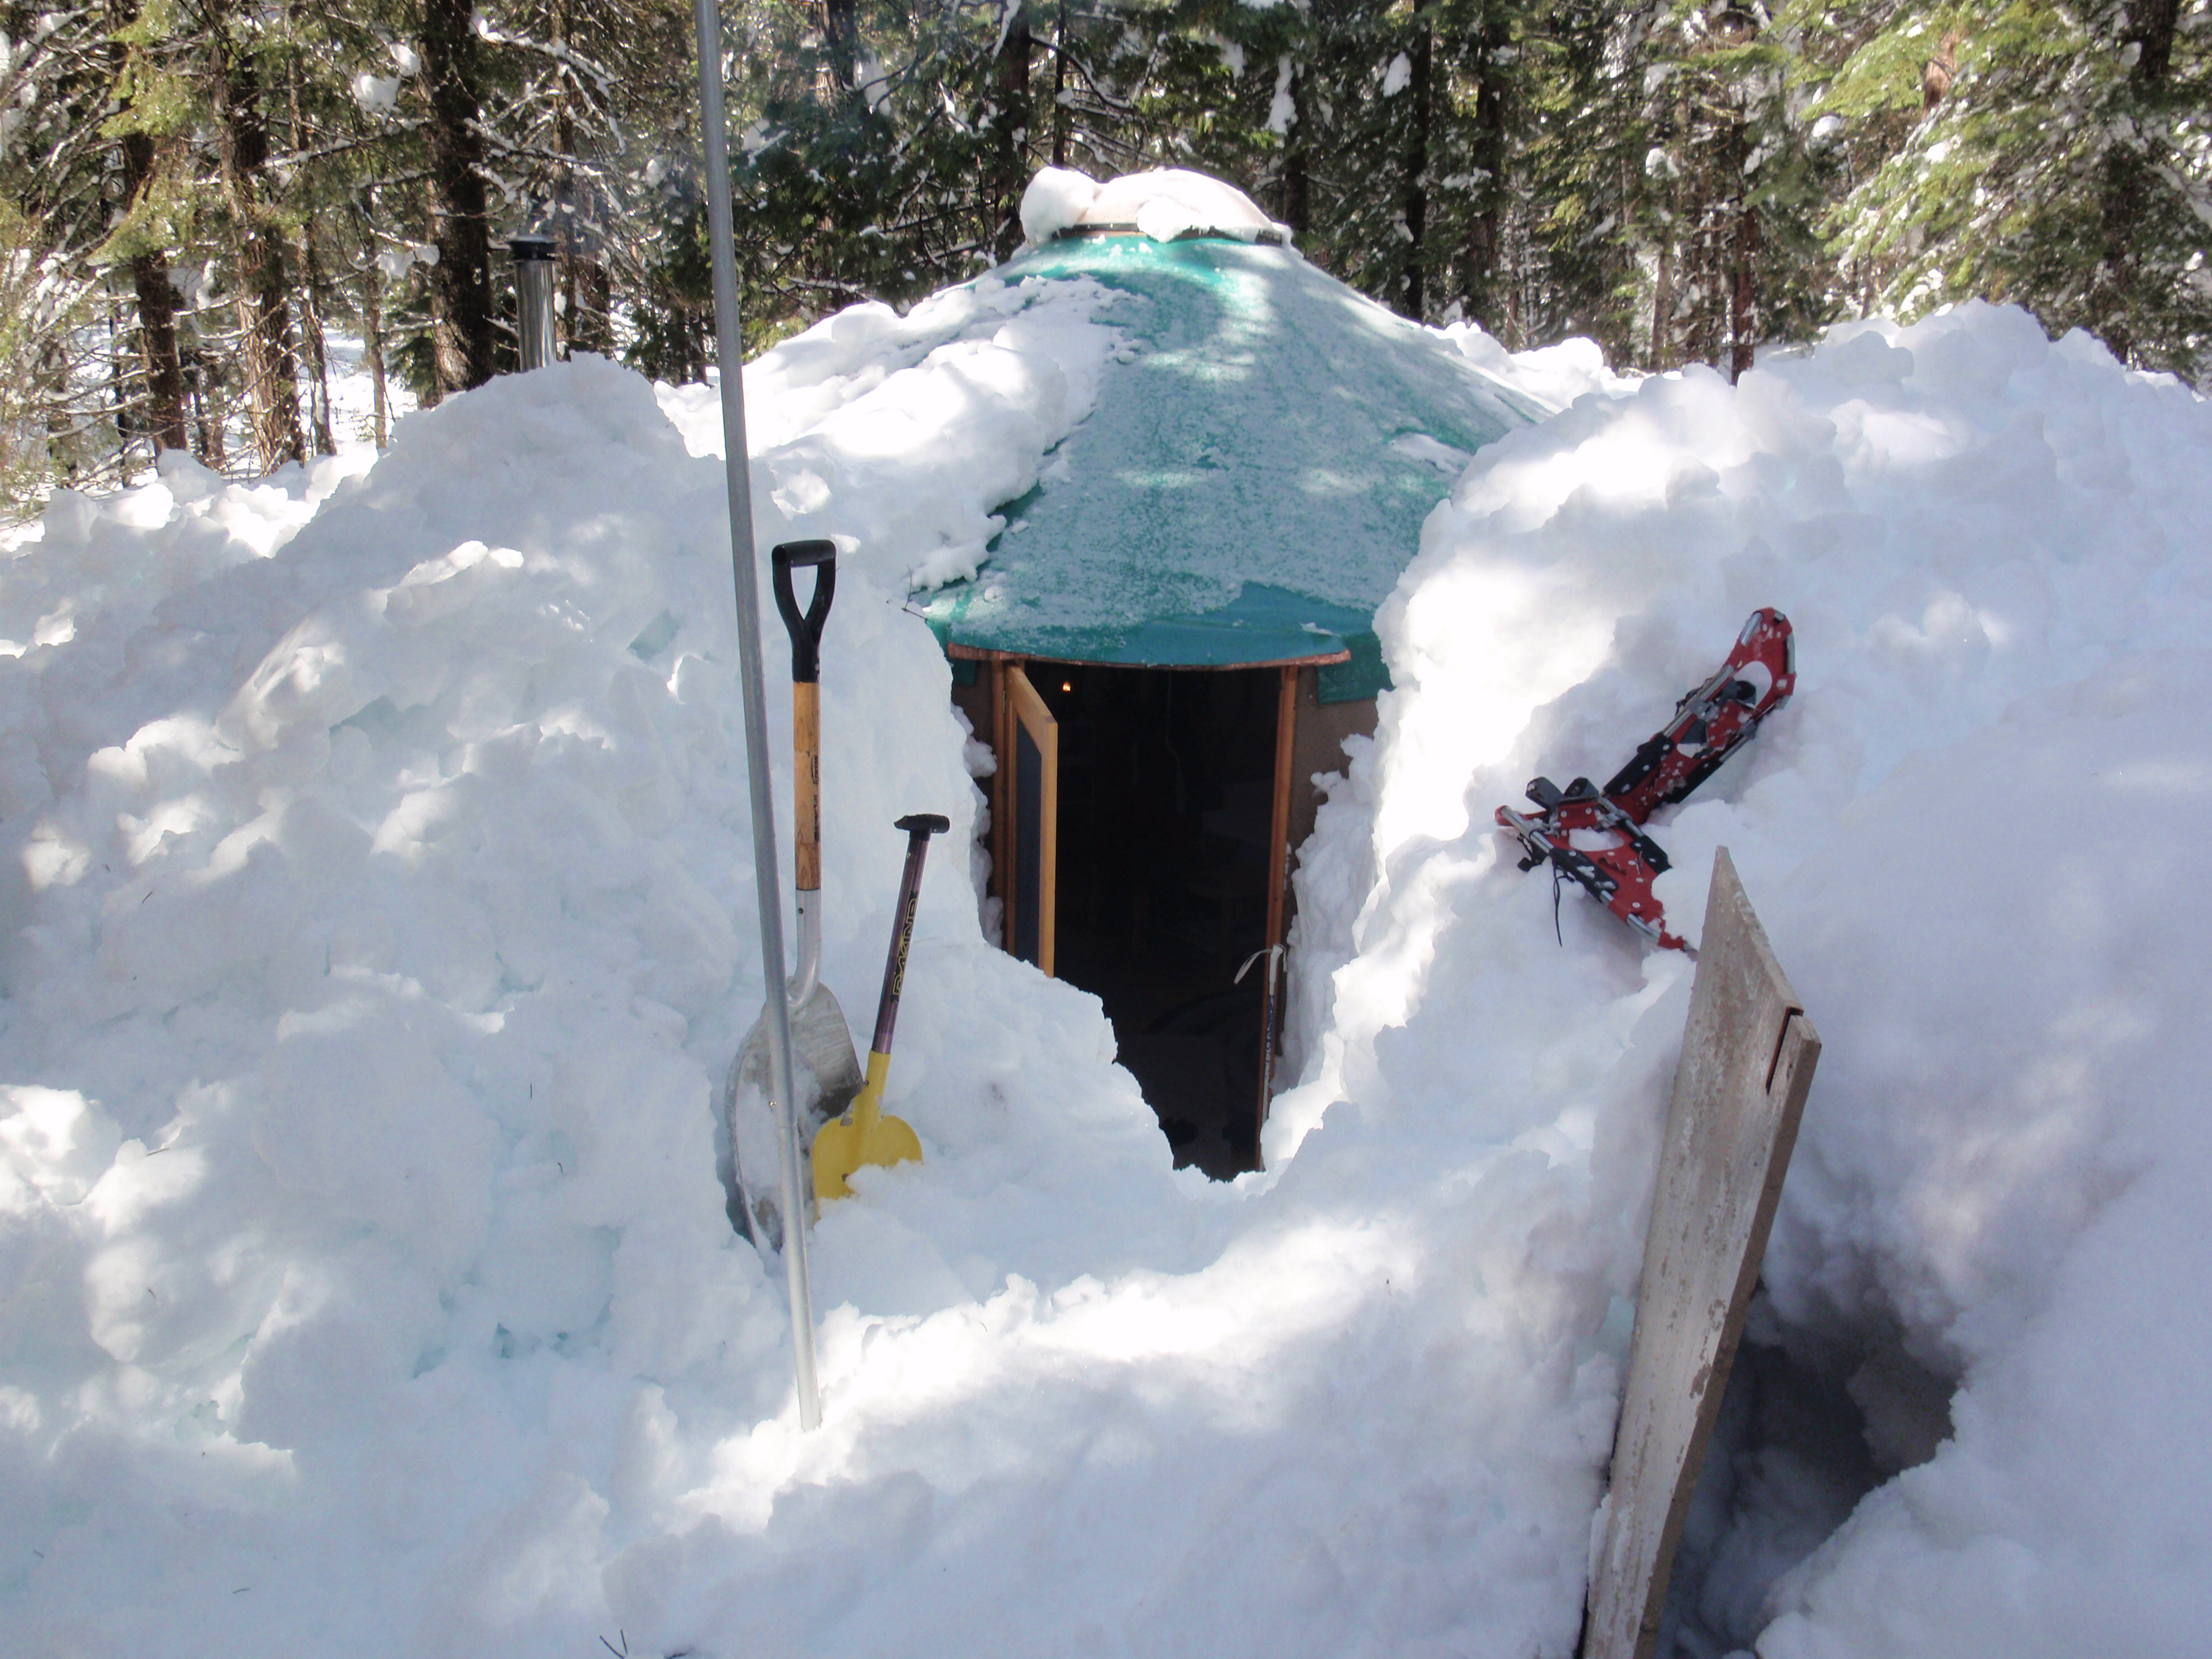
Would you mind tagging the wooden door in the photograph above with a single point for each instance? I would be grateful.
(1033, 845)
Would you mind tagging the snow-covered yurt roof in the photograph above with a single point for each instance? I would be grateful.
(1263, 448)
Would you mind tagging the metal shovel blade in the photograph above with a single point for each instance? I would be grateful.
(825, 1072)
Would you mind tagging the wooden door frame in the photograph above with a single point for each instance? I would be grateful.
(1275, 953)
(1019, 707)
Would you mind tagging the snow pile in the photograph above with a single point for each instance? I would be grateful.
(1164, 204)
(899, 433)
(1055, 200)
(1554, 375)
(377, 913)
(1992, 547)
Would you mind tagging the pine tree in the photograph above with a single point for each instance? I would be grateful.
(2051, 156)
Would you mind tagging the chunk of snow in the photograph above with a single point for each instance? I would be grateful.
(1055, 200)
(376, 94)
(1172, 202)
(1282, 108)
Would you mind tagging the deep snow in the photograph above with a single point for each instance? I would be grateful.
(377, 908)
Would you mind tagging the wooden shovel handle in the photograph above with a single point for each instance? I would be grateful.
(806, 747)
(806, 631)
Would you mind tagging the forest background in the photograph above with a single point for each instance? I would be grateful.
(197, 197)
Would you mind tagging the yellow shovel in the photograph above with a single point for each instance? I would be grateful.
(864, 1135)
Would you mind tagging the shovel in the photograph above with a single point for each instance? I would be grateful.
(864, 1135)
(825, 1071)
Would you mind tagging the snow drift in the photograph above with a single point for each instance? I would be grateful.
(1992, 547)
(377, 912)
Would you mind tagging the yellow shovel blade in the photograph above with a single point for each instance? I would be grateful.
(863, 1136)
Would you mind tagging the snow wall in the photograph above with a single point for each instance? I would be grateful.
(378, 915)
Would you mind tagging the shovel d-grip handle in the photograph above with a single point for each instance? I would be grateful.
(919, 827)
(806, 631)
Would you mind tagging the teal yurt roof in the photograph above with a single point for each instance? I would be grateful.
(1251, 480)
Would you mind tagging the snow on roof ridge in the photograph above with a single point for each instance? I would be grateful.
(1164, 204)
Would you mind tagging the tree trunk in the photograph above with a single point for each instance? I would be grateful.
(460, 283)
(319, 360)
(1013, 130)
(1060, 88)
(840, 34)
(1676, 240)
(1414, 201)
(272, 370)
(1662, 304)
(372, 334)
(594, 330)
(586, 289)
(207, 413)
(2148, 25)
(1486, 249)
(311, 289)
(1297, 160)
(157, 315)
(1743, 294)
(163, 417)
(118, 391)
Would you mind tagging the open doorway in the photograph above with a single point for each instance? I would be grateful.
(1167, 796)
(1142, 820)
(1138, 834)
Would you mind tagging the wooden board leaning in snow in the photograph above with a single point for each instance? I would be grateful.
(1747, 1058)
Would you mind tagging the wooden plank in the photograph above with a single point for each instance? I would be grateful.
(1036, 876)
(1002, 804)
(1278, 827)
(1747, 1058)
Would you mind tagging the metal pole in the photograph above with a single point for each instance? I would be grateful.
(737, 470)
(533, 298)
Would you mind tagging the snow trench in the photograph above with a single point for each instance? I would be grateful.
(376, 910)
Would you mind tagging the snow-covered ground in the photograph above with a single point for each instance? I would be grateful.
(353, 394)
(377, 915)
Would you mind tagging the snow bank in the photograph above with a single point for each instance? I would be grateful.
(378, 913)
(1992, 547)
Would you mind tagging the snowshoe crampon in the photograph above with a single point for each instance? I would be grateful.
(1595, 837)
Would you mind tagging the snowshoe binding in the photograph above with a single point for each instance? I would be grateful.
(1587, 839)
(1595, 837)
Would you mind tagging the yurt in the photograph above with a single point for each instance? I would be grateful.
(1174, 633)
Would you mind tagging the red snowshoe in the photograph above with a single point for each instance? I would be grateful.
(1712, 722)
(1596, 838)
